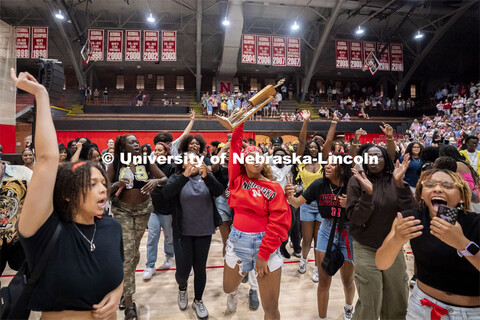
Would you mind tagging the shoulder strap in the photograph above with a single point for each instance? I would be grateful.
(40, 267)
(332, 235)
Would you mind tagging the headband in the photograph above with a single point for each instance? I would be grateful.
(251, 149)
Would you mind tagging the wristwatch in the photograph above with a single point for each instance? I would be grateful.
(470, 250)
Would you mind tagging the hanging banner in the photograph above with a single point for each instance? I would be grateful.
(132, 45)
(39, 42)
(384, 57)
(115, 45)
(249, 47)
(341, 49)
(264, 50)
(279, 53)
(150, 45)
(356, 61)
(368, 47)
(96, 37)
(293, 52)
(169, 45)
(396, 50)
(23, 42)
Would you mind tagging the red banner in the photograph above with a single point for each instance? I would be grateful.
(368, 47)
(341, 49)
(293, 52)
(264, 50)
(115, 45)
(150, 45)
(169, 45)
(396, 50)
(279, 53)
(132, 45)
(356, 61)
(23, 42)
(96, 37)
(39, 42)
(384, 57)
(249, 46)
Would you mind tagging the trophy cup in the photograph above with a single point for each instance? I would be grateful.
(256, 103)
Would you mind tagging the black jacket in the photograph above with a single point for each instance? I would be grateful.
(172, 191)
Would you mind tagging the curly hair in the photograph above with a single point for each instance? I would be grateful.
(73, 185)
(465, 193)
(163, 136)
(186, 141)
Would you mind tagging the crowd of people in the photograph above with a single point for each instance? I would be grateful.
(359, 216)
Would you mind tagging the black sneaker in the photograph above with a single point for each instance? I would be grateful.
(285, 253)
(253, 302)
(245, 279)
(297, 254)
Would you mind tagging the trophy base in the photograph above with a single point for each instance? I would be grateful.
(225, 122)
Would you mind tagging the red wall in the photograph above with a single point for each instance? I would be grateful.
(101, 137)
(7, 138)
(369, 137)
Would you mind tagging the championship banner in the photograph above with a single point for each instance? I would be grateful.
(23, 42)
(132, 45)
(279, 53)
(249, 48)
(293, 52)
(39, 42)
(341, 53)
(264, 50)
(115, 45)
(396, 51)
(356, 61)
(169, 45)
(96, 37)
(384, 58)
(150, 45)
(368, 47)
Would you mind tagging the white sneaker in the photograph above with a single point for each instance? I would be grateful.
(148, 273)
(168, 263)
(302, 268)
(200, 309)
(182, 299)
(191, 272)
(315, 274)
(232, 301)
(348, 314)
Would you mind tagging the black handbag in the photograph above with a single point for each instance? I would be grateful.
(15, 297)
(334, 259)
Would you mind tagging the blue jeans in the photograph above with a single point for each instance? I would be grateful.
(309, 212)
(155, 224)
(324, 235)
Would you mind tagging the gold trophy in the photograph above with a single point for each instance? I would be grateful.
(256, 103)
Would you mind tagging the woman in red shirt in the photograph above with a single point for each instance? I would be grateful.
(260, 224)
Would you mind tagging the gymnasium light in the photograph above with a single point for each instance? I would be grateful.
(59, 15)
(418, 35)
(359, 30)
(295, 26)
(151, 18)
(225, 22)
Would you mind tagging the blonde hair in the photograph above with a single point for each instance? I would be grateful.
(462, 185)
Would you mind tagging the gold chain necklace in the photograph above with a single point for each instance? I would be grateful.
(331, 189)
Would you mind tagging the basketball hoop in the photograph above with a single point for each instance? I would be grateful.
(86, 52)
(371, 63)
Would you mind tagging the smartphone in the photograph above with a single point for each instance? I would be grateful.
(447, 213)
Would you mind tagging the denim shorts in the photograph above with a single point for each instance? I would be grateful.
(244, 247)
(324, 235)
(224, 209)
(309, 212)
(416, 311)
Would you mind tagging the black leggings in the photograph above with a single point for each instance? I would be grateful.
(192, 251)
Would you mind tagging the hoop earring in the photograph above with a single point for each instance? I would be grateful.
(461, 206)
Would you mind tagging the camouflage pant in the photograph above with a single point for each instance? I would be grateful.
(134, 221)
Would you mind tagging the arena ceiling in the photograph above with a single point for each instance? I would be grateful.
(320, 21)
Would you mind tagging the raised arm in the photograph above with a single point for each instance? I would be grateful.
(76, 155)
(234, 169)
(356, 143)
(388, 130)
(189, 126)
(38, 203)
(224, 150)
(330, 136)
(302, 138)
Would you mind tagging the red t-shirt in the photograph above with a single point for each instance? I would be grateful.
(447, 105)
(259, 206)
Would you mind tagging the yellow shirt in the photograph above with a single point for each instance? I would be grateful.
(465, 154)
(308, 177)
(223, 106)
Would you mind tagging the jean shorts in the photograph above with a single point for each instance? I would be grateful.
(309, 212)
(416, 311)
(347, 242)
(244, 247)
(224, 209)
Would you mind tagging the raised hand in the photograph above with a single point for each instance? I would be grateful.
(335, 117)
(387, 129)
(362, 178)
(289, 190)
(203, 170)
(306, 115)
(407, 228)
(192, 115)
(400, 170)
(26, 82)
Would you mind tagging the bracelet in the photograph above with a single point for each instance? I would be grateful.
(355, 144)
(389, 139)
(333, 121)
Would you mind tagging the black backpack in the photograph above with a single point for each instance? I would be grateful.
(15, 297)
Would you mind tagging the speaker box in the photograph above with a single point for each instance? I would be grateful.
(54, 81)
